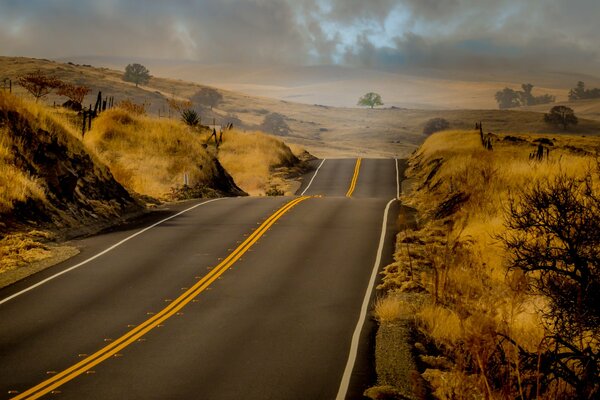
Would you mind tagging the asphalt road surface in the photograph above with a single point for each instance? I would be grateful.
(238, 298)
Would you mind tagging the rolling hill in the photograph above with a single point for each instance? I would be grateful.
(323, 130)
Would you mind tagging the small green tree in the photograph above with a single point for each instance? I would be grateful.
(370, 100)
(561, 115)
(137, 74)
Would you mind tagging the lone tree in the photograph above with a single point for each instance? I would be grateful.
(137, 74)
(370, 100)
(207, 97)
(561, 115)
(39, 84)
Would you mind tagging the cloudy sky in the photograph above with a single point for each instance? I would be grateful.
(381, 34)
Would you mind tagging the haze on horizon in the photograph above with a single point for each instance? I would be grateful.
(458, 37)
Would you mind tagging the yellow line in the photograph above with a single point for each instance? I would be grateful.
(354, 178)
(175, 306)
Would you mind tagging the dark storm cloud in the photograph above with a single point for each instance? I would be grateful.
(387, 34)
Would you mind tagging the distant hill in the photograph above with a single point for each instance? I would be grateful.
(323, 130)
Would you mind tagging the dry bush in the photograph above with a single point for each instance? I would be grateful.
(148, 155)
(390, 308)
(20, 249)
(132, 107)
(250, 158)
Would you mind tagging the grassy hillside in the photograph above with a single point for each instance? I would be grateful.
(150, 156)
(481, 328)
(324, 131)
(49, 182)
(53, 183)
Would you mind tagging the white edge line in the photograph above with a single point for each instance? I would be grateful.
(114, 246)
(397, 180)
(345, 383)
(313, 178)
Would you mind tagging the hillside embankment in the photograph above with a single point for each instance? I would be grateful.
(496, 269)
(57, 185)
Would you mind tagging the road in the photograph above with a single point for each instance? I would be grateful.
(254, 298)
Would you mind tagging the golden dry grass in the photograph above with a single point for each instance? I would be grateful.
(390, 308)
(149, 155)
(458, 258)
(17, 185)
(251, 157)
(20, 249)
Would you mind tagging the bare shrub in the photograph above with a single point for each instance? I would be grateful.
(553, 238)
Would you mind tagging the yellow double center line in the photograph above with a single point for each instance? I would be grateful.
(175, 306)
(354, 178)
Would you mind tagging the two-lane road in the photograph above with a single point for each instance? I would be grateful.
(255, 298)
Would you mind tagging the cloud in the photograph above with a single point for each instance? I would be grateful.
(385, 34)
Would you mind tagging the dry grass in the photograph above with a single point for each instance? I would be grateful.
(20, 249)
(149, 155)
(251, 157)
(456, 256)
(390, 308)
(15, 184)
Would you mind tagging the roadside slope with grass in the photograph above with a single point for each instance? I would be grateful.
(56, 185)
(483, 262)
(49, 184)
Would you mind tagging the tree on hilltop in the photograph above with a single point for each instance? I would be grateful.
(579, 92)
(137, 74)
(370, 100)
(207, 97)
(561, 115)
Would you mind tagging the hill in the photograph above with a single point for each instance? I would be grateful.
(323, 130)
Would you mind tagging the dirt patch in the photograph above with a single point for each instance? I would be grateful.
(395, 362)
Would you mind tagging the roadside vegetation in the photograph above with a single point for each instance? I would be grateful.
(54, 183)
(150, 156)
(499, 271)
(251, 159)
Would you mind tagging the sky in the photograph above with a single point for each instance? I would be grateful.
(390, 35)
